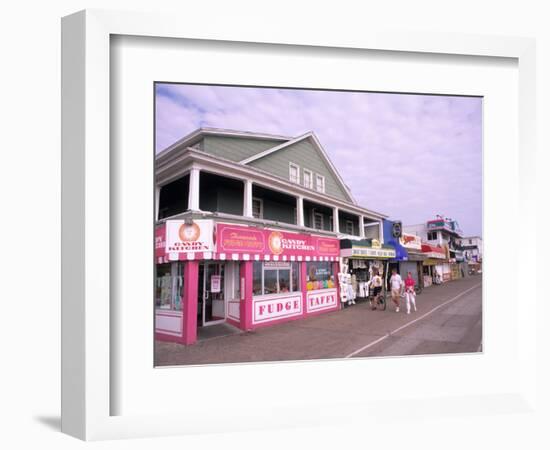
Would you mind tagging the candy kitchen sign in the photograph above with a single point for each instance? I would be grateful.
(235, 238)
(194, 236)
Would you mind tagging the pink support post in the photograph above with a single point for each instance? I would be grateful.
(303, 285)
(246, 279)
(335, 270)
(190, 301)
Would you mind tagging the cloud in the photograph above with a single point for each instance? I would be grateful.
(409, 156)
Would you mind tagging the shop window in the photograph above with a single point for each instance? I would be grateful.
(274, 277)
(320, 275)
(294, 173)
(169, 286)
(257, 208)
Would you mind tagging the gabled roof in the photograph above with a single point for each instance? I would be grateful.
(315, 141)
(195, 136)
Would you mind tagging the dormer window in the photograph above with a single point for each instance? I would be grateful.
(294, 173)
(320, 183)
(308, 179)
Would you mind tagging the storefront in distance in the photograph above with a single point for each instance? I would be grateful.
(414, 260)
(210, 272)
(361, 258)
(436, 268)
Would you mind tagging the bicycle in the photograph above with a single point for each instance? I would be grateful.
(380, 303)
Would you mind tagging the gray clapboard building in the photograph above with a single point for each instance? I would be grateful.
(273, 179)
(248, 229)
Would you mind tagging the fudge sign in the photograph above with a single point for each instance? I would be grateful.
(267, 310)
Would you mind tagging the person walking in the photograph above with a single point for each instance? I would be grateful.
(396, 284)
(376, 283)
(410, 294)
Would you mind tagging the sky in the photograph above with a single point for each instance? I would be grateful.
(407, 156)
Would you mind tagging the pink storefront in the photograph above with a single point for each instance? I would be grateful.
(209, 273)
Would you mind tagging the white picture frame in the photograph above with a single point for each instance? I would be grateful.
(87, 354)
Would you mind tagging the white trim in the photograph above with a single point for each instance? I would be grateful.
(198, 134)
(291, 166)
(194, 189)
(248, 210)
(310, 185)
(273, 149)
(179, 165)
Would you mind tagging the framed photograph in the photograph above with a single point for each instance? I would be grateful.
(255, 224)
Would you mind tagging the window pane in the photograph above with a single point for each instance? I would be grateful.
(319, 275)
(295, 271)
(270, 282)
(178, 287)
(284, 280)
(163, 291)
(236, 282)
(257, 278)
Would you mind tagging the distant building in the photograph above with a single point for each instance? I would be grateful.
(443, 233)
(473, 251)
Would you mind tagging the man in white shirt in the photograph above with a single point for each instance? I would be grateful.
(396, 285)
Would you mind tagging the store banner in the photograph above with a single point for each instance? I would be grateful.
(191, 236)
(431, 251)
(243, 239)
(160, 241)
(367, 252)
(411, 241)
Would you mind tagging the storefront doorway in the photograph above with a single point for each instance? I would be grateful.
(211, 295)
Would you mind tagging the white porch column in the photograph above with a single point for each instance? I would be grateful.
(381, 232)
(247, 199)
(194, 187)
(300, 211)
(335, 220)
(361, 227)
(157, 200)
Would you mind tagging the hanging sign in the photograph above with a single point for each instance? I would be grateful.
(215, 283)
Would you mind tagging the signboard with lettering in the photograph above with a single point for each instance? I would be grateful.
(215, 283)
(236, 238)
(367, 252)
(194, 236)
(411, 241)
(270, 309)
(320, 300)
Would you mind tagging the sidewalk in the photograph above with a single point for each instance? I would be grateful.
(333, 335)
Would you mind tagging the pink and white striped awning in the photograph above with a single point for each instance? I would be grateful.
(238, 257)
